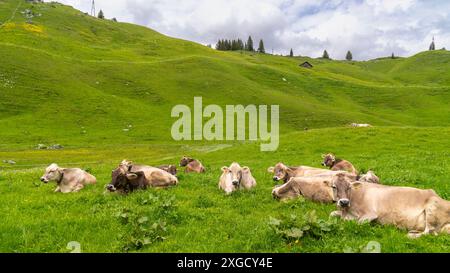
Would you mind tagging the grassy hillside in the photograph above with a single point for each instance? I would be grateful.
(68, 73)
(72, 79)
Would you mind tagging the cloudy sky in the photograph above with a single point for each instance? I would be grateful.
(370, 28)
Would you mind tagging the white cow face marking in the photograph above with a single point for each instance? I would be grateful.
(52, 173)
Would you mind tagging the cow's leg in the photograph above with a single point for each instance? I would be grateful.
(446, 229)
(367, 218)
(343, 215)
(336, 213)
(58, 189)
(429, 218)
(78, 187)
(434, 220)
(414, 234)
(349, 217)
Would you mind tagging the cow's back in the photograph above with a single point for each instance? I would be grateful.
(401, 206)
(153, 173)
(79, 175)
(248, 181)
(307, 171)
(344, 165)
(195, 166)
(314, 188)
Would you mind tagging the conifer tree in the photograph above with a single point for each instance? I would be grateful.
(261, 47)
(101, 15)
(432, 46)
(349, 56)
(249, 46)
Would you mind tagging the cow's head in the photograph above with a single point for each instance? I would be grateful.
(280, 172)
(125, 163)
(370, 177)
(185, 160)
(227, 177)
(328, 160)
(123, 180)
(236, 174)
(52, 173)
(343, 184)
(172, 169)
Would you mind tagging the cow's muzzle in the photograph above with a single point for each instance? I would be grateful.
(276, 178)
(111, 187)
(43, 179)
(324, 164)
(235, 183)
(344, 203)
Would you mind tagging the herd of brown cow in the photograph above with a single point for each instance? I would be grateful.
(358, 197)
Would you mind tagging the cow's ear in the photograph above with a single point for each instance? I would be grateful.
(224, 168)
(245, 169)
(132, 176)
(323, 155)
(327, 183)
(271, 169)
(356, 185)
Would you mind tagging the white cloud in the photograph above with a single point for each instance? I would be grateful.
(370, 28)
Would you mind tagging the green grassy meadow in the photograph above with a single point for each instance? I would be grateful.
(78, 81)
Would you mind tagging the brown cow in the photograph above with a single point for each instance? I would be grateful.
(129, 177)
(192, 165)
(337, 164)
(419, 211)
(284, 173)
(67, 180)
(172, 169)
(316, 188)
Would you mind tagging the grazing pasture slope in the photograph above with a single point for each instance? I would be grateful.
(104, 91)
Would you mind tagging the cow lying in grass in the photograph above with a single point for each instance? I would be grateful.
(336, 164)
(129, 177)
(284, 173)
(192, 165)
(419, 211)
(67, 180)
(317, 188)
(236, 177)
